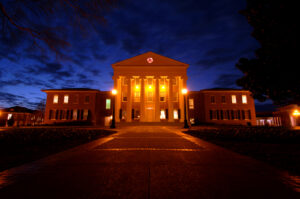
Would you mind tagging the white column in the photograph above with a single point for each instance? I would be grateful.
(181, 100)
(142, 100)
(129, 101)
(170, 100)
(157, 107)
(117, 86)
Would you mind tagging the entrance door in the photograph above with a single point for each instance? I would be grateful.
(150, 114)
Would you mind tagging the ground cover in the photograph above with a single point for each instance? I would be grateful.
(21, 145)
(279, 147)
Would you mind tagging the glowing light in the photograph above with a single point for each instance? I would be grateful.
(296, 113)
(149, 87)
(184, 91)
(137, 87)
(114, 91)
(163, 88)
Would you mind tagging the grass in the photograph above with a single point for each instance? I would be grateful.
(22, 145)
(279, 147)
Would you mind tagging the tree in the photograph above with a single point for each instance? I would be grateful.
(272, 74)
(46, 22)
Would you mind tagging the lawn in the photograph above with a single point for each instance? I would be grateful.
(279, 147)
(21, 145)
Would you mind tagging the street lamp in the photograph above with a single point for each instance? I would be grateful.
(184, 92)
(113, 121)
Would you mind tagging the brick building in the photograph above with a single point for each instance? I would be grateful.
(221, 106)
(149, 90)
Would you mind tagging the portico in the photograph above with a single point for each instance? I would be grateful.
(149, 89)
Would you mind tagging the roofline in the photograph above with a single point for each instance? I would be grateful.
(66, 90)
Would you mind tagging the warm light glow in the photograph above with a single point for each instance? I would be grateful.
(163, 88)
(149, 87)
(184, 91)
(114, 91)
(137, 87)
(296, 113)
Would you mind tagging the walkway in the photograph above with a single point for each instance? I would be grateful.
(145, 162)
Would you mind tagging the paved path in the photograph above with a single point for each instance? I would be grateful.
(145, 162)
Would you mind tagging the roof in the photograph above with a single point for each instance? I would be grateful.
(70, 89)
(150, 59)
(18, 109)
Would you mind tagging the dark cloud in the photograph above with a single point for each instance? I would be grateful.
(227, 81)
(95, 72)
(215, 61)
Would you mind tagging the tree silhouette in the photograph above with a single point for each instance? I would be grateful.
(46, 21)
(272, 75)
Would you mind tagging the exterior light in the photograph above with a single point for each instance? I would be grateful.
(163, 87)
(150, 87)
(184, 91)
(137, 87)
(114, 91)
(296, 113)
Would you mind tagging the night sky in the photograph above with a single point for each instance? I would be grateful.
(210, 36)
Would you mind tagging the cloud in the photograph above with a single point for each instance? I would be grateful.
(227, 80)
(215, 61)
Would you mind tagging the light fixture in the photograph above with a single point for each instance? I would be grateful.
(163, 87)
(137, 87)
(296, 113)
(184, 91)
(114, 91)
(150, 87)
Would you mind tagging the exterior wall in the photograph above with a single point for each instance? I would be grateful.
(220, 112)
(71, 107)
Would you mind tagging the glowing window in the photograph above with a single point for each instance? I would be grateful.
(66, 99)
(233, 99)
(162, 114)
(9, 116)
(75, 114)
(137, 95)
(191, 103)
(244, 99)
(175, 114)
(108, 103)
(55, 99)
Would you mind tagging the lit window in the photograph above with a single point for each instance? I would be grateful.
(9, 116)
(191, 103)
(136, 96)
(75, 114)
(85, 114)
(244, 99)
(55, 99)
(162, 114)
(212, 99)
(233, 98)
(175, 114)
(150, 96)
(108, 103)
(66, 99)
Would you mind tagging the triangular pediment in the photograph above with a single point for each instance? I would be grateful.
(150, 59)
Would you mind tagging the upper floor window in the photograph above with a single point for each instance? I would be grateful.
(66, 99)
(108, 103)
(212, 99)
(150, 96)
(55, 99)
(87, 99)
(223, 99)
(76, 99)
(233, 99)
(244, 99)
(191, 103)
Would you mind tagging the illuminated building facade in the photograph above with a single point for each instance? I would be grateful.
(149, 88)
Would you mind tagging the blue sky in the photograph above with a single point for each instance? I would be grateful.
(210, 36)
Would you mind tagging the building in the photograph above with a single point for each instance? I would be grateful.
(20, 116)
(77, 106)
(149, 89)
(268, 118)
(221, 106)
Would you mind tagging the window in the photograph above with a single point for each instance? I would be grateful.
(108, 103)
(233, 99)
(87, 99)
(85, 114)
(56, 114)
(50, 114)
(226, 115)
(162, 114)
(213, 114)
(75, 114)
(244, 99)
(66, 99)
(175, 114)
(55, 99)
(9, 116)
(162, 96)
(76, 99)
(223, 99)
(124, 96)
(150, 96)
(175, 96)
(191, 103)
(212, 99)
(137, 95)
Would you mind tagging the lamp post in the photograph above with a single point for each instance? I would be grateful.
(113, 121)
(184, 92)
